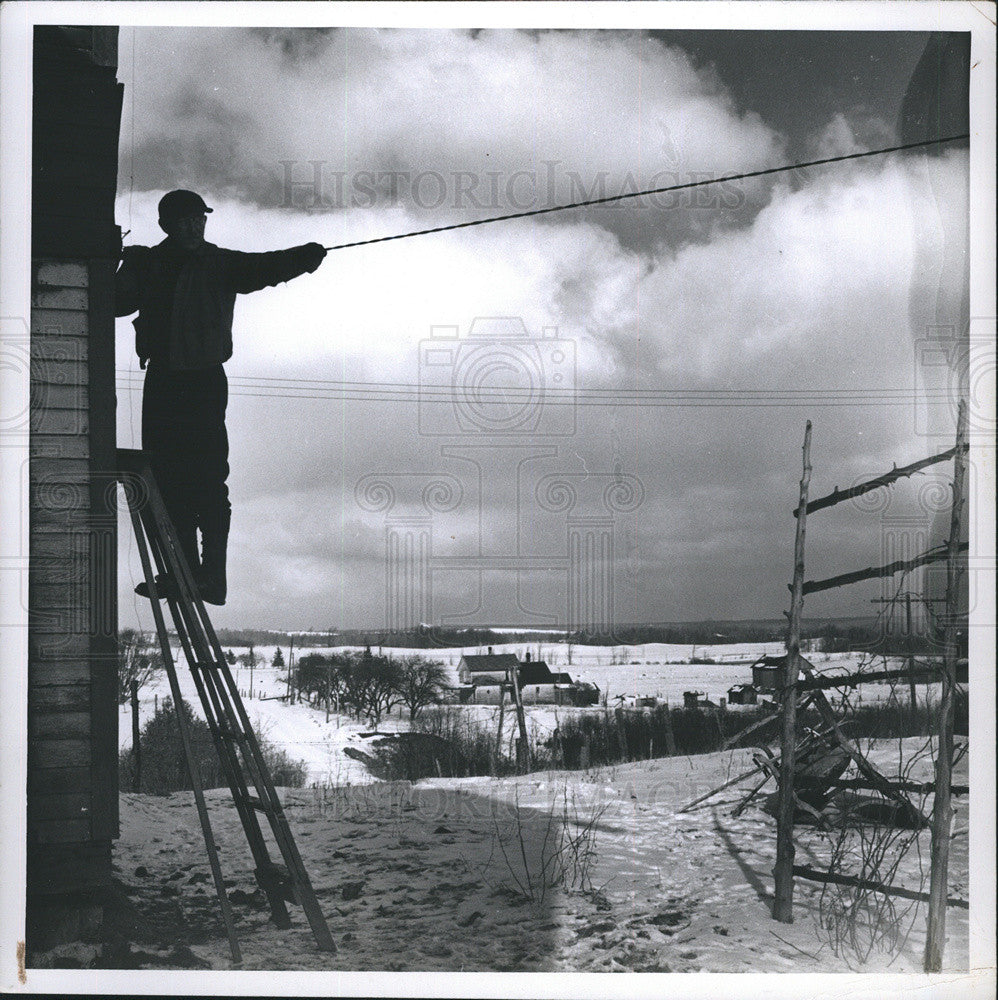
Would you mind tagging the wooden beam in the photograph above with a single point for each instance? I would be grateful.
(808, 781)
(765, 721)
(838, 496)
(863, 883)
(942, 816)
(937, 554)
(783, 872)
(738, 779)
(925, 674)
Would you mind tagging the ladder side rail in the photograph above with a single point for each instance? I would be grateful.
(170, 561)
(942, 812)
(202, 809)
(275, 811)
(256, 763)
(217, 714)
(177, 566)
(247, 815)
(254, 757)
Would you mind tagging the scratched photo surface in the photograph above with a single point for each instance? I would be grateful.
(501, 499)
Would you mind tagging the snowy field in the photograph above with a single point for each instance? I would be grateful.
(430, 876)
(655, 669)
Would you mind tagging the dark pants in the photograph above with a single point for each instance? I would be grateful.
(183, 431)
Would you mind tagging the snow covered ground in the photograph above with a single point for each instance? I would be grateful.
(429, 877)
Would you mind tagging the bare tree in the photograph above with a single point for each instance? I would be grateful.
(420, 682)
(383, 677)
(138, 660)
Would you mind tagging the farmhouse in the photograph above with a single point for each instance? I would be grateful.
(697, 700)
(485, 678)
(490, 669)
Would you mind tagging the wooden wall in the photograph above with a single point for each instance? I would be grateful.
(72, 793)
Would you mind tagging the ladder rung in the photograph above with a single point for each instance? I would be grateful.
(254, 803)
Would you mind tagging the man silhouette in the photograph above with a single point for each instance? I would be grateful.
(184, 290)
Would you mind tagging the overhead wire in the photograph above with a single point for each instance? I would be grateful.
(396, 392)
(748, 175)
(404, 392)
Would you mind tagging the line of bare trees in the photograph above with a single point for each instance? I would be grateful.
(367, 686)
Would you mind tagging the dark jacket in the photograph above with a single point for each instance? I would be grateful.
(185, 300)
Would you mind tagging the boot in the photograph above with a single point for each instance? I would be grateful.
(186, 532)
(211, 580)
(166, 587)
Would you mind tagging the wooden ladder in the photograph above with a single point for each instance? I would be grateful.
(237, 745)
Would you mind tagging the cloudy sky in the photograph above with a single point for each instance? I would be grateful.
(667, 350)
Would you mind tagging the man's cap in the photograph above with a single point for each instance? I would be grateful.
(178, 204)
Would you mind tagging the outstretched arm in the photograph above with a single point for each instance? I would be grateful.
(252, 271)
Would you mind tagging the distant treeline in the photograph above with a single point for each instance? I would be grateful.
(841, 635)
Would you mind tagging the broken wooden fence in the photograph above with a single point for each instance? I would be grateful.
(791, 690)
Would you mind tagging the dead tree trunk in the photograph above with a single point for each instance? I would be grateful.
(783, 872)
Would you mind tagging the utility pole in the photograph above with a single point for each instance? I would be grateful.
(909, 644)
(523, 756)
(252, 659)
(911, 652)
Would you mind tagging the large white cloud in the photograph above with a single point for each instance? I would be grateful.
(812, 292)
(523, 116)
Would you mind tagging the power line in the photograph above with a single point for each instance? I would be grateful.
(255, 380)
(660, 190)
(545, 398)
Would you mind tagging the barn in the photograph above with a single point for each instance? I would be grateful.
(743, 694)
(767, 672)
(72, 788)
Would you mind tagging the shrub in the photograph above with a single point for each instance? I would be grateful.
(164, 767)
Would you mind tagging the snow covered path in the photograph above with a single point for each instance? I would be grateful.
(414, 877)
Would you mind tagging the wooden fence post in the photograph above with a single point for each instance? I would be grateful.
(502, 711)
(783, 872)
(136, 744)
(935, 937)
(523, 742)
(670, 739)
